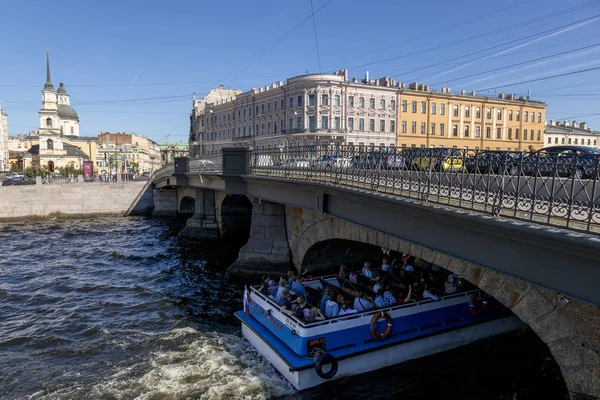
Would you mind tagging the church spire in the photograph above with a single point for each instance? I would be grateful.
(48, 85)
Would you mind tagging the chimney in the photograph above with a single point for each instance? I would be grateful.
(426, 88)
(566, 123)
(354, 80)
(574, 125)
(473, 93)
(501, 96)
(413, 86)
(583, 125)
(367, 76)
(463, 92)
(221, 87)
(511, 96)
(551, 122)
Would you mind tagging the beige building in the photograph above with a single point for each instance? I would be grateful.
(127, 151)
(465, 120)
(571, 133)
(168, 151)
(306, 110)
(215, 96)
(4, 146)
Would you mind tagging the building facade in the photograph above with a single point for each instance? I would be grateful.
(568, 133)
(121, 151)
(4, 147)
(306, 110)
(467, 121)
(168, 151)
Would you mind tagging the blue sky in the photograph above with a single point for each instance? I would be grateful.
(97, 48)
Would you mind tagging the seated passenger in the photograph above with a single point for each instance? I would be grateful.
(406, 299)
(363, 302)
(326, 296)
(264, 286)
(384, 298)
(291, 278)
(427, 294)
(378, 284)
(342, 275)
(332, 308)
(385, 267)
(301, 306)
(280, 289)
(367, 271)
(285, 302)
(313, 315)
(272, 289)
(450, 285)
(298, 287)
(346, 309)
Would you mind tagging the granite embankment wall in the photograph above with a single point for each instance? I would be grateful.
(75, 199)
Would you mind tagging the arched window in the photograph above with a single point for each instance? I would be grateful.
(72, 130)
(49, 122)
(50, 144)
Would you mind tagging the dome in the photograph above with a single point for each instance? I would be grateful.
(67, 112)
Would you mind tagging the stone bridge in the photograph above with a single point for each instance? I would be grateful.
(546, 276)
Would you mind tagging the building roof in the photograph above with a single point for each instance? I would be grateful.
(67, 112)
(82, 138)
(48, 85)
(174, 145)
(72, 151)
(569, 130)
(61, 89)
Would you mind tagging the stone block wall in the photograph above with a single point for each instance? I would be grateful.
(203, 224)
(165, 203)
(72, 200)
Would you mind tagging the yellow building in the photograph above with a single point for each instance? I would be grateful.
(444, 119)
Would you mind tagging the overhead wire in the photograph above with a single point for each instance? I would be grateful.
(541, 79)
(315, 31)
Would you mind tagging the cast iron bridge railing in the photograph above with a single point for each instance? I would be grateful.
(559, 188)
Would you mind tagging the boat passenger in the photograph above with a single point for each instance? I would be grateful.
(291, 278)
(346, 309)
(384, 298)
(301, 305)
(450, 285)
(298, 287)
(405, 258)
(363, 302)
(342, 275)
(378, 284)
(264, 286)
(326, 296)
(427, 294)
(367, 271)
(332, 308)
(280, 289)
(314, 315)
(406, 299)
(385, 267)
(272, 289)
(285, 302)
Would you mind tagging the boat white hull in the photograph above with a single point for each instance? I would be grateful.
(384, 357)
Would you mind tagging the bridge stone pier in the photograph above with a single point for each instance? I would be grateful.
(165, 202)
(203, 222)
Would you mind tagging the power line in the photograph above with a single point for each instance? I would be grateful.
(540, 79)
(315, 30)
(517, 64)
(435, 32)
(579, 116)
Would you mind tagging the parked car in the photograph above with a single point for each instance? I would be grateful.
(438, 159)
(17, 180)
(493, 161)
(332, 161)
(579, 162)
(296, 163)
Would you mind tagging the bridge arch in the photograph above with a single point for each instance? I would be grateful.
(187, 205)
(236, 218)
(567, 326)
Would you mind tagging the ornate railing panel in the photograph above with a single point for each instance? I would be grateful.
(559, 188)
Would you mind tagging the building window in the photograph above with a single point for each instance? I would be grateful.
(49, 122)
(555, 140)
(299, 101)
(256, 129)
(467, 111)
(539, 136)
(526, 116)
(299, 123)
(72, 130)
(291, 123)
(517, 134)
(499, 114)
(432, 108)
(562, 141)
(550, 140)
(442, 109)
(312, 123)
(423, 128)
(509, 133)
(510, 115)
(576, 140)
(324, 122)
(361, 102)
(311, 99)
(455, 130)
(49, 144)
(498, 133)
(393, 126)
(518, 115)
(324, 99)
(413, 127)
(539, 117)
(381, 125)
(524, 134)
(456, 110)
(350, 101)
(488, 113)
(282, 105)
(250, 111)
(414, 106)
(262, 128)
(442, 130)
(291, 105)
(488, 132)
(466, 130)
(433, 128)
(336, 122)
(589, 140)
(382, 104)
(393, 104)
(478, 112)
(569, 140)
(477, 131)
(361, 124)
(262, 108)
(404, 106)
(423, 107)
(351, 124)
(268, 109)
(403, 126)
(372, 124)
(338, 100)
(372, 103)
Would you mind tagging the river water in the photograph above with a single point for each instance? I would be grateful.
(120, 308)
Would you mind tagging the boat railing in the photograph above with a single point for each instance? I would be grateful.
(363, 314)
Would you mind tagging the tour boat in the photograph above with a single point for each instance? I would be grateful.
(309, 354)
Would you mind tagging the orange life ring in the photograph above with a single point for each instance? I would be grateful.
(373, 325)
(473, 308)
